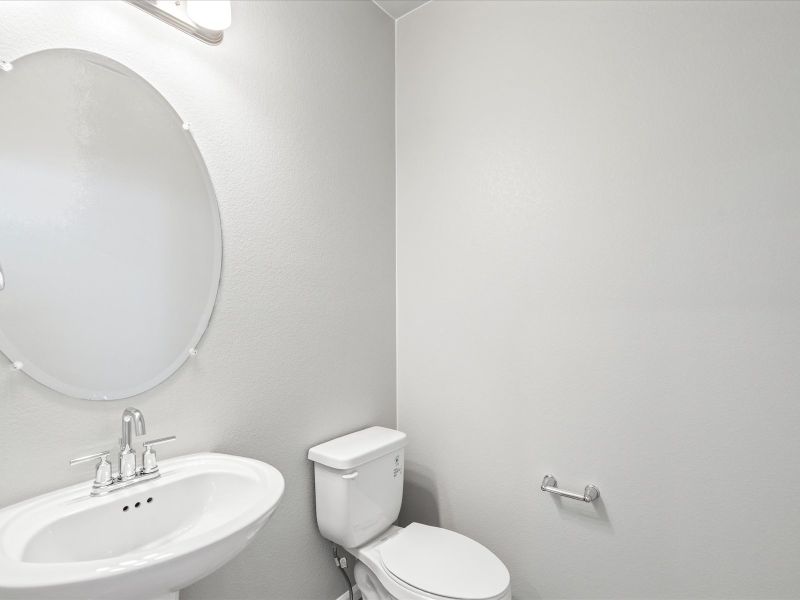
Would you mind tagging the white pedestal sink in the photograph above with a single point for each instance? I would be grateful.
(147, 541)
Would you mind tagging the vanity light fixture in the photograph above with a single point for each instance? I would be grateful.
(202, 19)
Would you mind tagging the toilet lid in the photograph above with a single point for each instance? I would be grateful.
(445, 563)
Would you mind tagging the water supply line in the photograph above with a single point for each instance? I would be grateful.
(341, 564)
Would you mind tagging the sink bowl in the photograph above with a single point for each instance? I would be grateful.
(143, 542)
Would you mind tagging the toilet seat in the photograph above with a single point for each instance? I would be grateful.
(423, 562)
(444, 563)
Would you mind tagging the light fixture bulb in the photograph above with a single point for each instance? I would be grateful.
(210, 14)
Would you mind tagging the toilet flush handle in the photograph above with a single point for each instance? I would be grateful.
(352, 475)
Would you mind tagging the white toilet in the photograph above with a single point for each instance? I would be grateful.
(359, 488)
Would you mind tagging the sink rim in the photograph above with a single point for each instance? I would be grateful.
(18, 574)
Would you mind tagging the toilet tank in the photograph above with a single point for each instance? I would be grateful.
(358, 480)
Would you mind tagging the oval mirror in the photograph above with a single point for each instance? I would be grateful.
(110, 240)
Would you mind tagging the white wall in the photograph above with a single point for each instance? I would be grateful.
(598, 250)
(294, 116)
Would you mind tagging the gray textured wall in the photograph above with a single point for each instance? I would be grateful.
(598, 257)
(294, 116)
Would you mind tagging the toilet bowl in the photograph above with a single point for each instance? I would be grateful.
(429, 563)
(359, 487)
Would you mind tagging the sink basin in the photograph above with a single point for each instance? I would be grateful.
(143, 542)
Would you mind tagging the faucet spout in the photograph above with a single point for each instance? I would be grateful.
(131, 417)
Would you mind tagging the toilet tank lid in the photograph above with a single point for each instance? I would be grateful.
(354, 449)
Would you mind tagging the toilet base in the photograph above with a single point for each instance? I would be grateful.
(371, 588)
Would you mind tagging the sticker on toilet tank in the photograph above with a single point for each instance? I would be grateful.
(397, 468)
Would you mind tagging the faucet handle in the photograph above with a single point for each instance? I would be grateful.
(149, 460)
(159, 441)
(102, 473)
(101, 455)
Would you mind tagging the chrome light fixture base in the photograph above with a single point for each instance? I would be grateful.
(174, 13)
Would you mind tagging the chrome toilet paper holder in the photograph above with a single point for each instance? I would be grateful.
(590, 492)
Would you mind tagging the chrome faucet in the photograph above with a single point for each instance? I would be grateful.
(127, 456)
(129, 474)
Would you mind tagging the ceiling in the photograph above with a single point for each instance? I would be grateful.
(398, 8)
